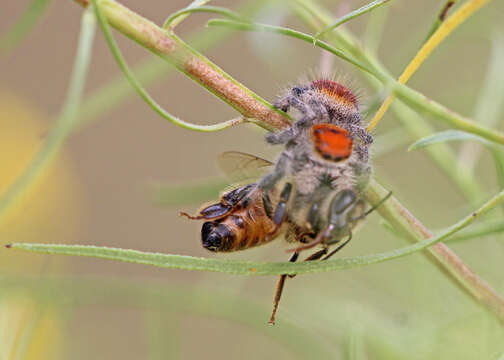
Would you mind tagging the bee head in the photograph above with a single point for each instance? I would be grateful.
(216, 236)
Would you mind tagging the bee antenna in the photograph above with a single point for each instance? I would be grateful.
(183, 213)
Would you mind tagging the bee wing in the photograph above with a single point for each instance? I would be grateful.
(238, 166)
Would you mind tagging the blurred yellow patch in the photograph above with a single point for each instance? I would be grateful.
(28, 330)
(50, 210)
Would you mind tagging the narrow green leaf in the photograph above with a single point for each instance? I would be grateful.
(176, 20)
(486, 228)
(446, 136)
(351, 15)
(141, 90)
(24, 25)
(440, 18)
(64, 123)
(171, 21)
(248, 267)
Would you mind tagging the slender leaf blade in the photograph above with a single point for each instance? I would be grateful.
(249, 267)
(172, 23)
(446, 136)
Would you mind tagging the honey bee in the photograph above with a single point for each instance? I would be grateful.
(312, 193)
(233, 224)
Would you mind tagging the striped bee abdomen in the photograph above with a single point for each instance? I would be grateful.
(243, 228)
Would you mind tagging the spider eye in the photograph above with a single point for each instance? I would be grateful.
(297, 90)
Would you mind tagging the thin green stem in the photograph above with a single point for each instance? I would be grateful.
(24, 25)
(486, 228)
(178, 19)
(245, 26)
(143, 93)
(204, 9)
(64, 124)
(351, 15)
(440, 18)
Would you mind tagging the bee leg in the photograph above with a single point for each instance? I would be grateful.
(281, 282)
(315, 256)
(281, 209)
(339, 246)
(321, 237)
(279, 290)
(312, 218)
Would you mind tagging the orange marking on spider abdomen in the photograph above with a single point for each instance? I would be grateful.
(335, 91)
(331, 142)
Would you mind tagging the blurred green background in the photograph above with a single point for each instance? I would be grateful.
(100, 192)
